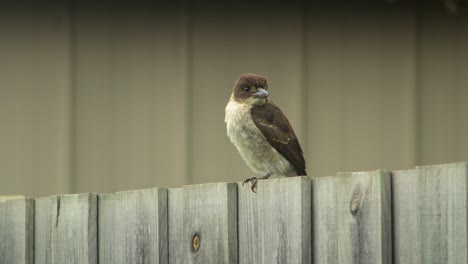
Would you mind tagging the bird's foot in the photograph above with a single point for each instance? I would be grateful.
(254, 181)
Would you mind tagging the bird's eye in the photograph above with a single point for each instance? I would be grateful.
(246, 88)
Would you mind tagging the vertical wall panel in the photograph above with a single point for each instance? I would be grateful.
(229, 39)
(34, 101)
(361, 81)
(444, 86)
(130, 96)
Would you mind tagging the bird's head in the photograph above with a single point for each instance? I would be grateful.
(250, 89)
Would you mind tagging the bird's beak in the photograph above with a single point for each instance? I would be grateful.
(261, 93)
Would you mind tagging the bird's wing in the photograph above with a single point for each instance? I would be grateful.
(278, 132)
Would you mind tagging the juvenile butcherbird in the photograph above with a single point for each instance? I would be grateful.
(261, 132)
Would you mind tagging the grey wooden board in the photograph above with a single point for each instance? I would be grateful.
(133, 227)
(17, 231)
(352, 218)
(248, 224)
(210, 210)
(43, 224)
(325, 235)
(275, 224)
(430, 214)
(72, 221)
(175, 224)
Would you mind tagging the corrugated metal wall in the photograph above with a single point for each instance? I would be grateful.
(124, 95)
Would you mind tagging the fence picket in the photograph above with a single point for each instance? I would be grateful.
(352, 218)
(413, 216)
(133, 227)
(210, 223)
(17, 231)
(72, 219)
(176, 225)
(275, 224)
(430, 214)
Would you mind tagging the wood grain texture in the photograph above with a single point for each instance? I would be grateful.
(352, 218)
(17, 231)
(325, 233)
(430, 214)
(284, 220)
(176, 225)
(70, 229)
(275, 224)
(248, 224)
(210, 213)
(43, 225)
(133, 227)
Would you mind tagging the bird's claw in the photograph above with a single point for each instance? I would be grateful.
(252, 180)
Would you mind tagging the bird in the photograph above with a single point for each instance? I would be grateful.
(261, 132)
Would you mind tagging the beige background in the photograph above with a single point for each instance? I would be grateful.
(117, 96)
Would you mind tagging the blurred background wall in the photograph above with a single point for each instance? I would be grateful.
(118, 95)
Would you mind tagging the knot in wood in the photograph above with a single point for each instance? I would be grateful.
(355, 201)
(196, 242)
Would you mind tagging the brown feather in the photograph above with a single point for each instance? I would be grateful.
(277, 130)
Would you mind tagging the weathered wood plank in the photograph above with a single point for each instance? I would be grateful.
(275, 224)
(133, 227)
(249, 248)
(325, 234)
(43, 224)
(210, 223)
(176, 225)
(352, 218)
(430, 214)
(364, 201)
(17, 231)
(70, 229)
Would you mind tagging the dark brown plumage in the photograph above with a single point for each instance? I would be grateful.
(279, 133)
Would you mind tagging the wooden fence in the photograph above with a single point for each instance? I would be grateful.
(415, 216)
